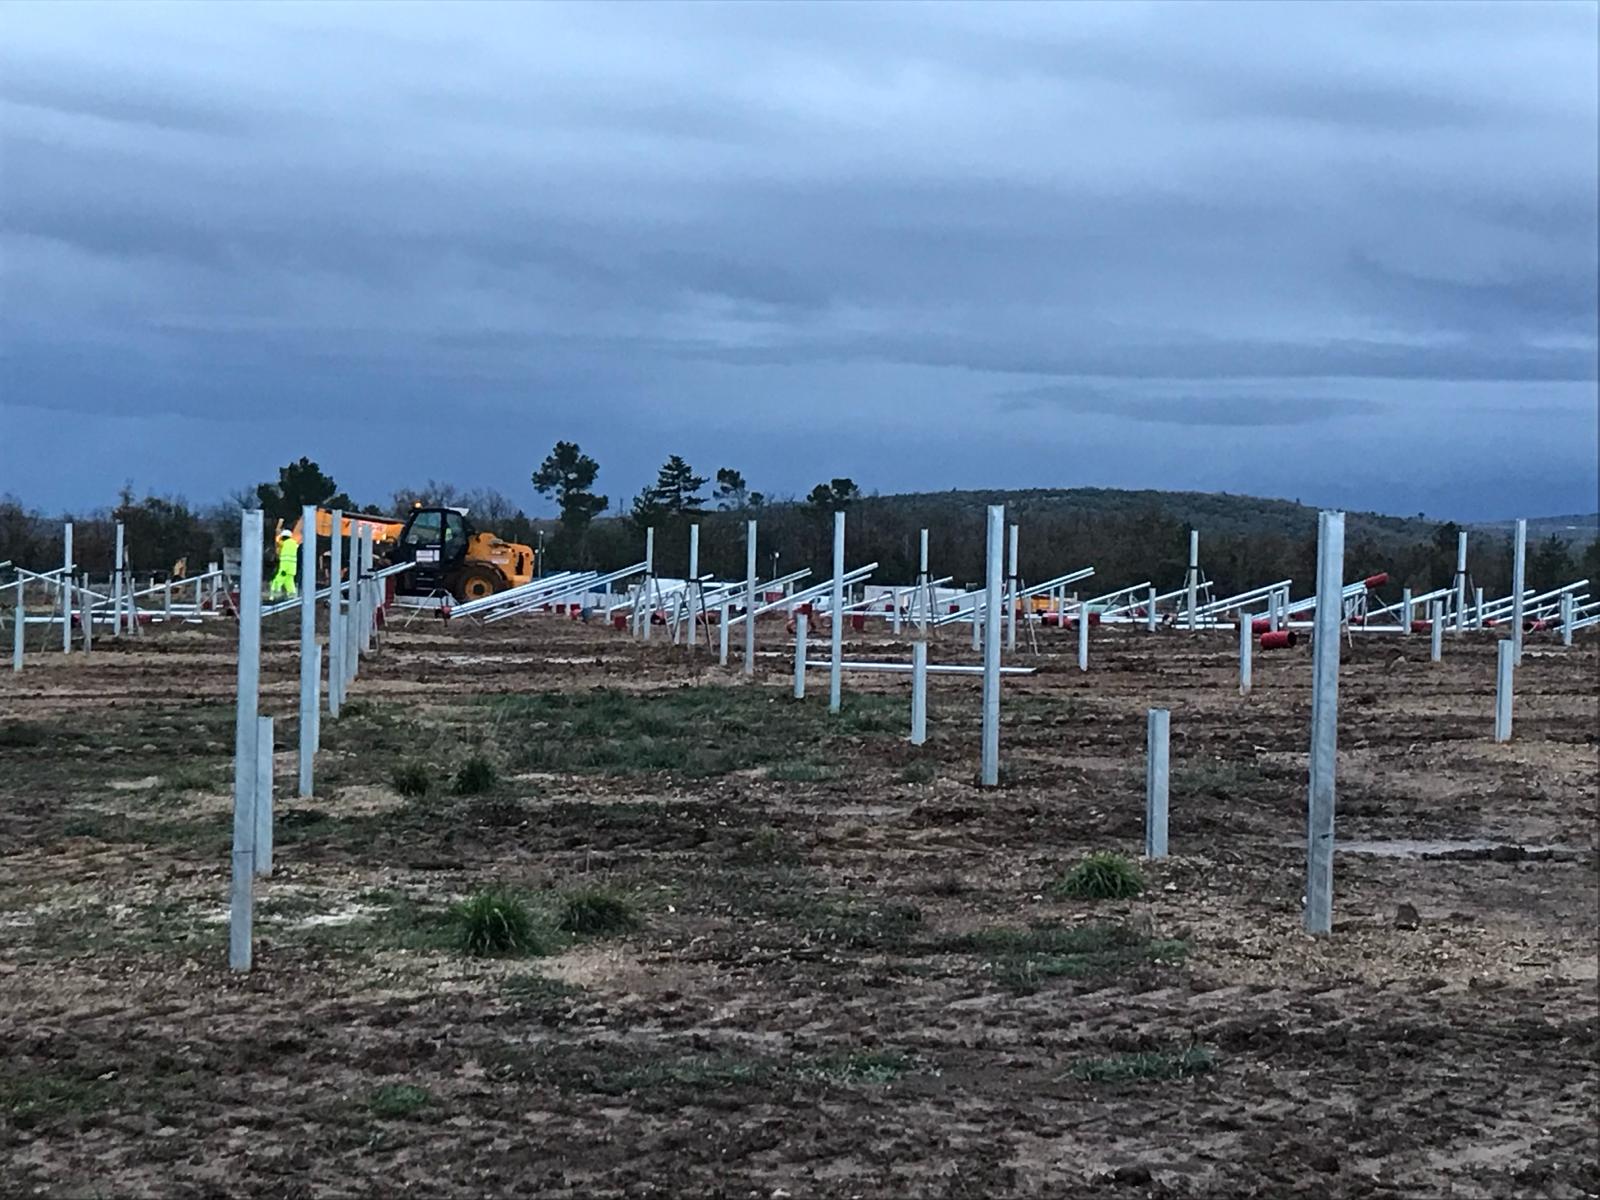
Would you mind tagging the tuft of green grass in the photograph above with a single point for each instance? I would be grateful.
(530, 988)
(395, 1100)
(411, 780)
(20, 735)
(1101, 876)
(496, 922)
(1022, 959)
(30, 1100)
(1158, 1064)
(921, 771)
(476, 776)
(189, 778)
(770, 845)
(862, 1066)
(596, 912)
(799, 772)
(698, 1073)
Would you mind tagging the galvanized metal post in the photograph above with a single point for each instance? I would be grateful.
(990, 776)
(1192, 580)
(799, 656)
(1505, 676)
(335, 624)
(263, 837)
(1324, 723)
(369, 592)
(647, 596)
(924, 597)
(1011, 594)
(18, 628)
(1246, 645)
(750, 598)
(1436, 619)
(1156, 775)
(691, 597)
(919, 693)
(1477, 608)
(166, 600)
(118, 583)
(86, 603)
(1518, 587)
(66, 585)
(1149, 610)
(1567, 606)
(352, 646)
(722, 634)
(1083, 635)
(836, 616)
(1406, 613)
(1461, 581)
(308, 645)
(245, 732)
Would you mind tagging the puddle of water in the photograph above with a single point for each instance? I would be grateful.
(1468, 848)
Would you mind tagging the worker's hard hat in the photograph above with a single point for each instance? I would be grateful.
(286, 535)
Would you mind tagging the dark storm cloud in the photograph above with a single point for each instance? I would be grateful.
(636, 216)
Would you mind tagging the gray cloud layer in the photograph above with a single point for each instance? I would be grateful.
(663, 227)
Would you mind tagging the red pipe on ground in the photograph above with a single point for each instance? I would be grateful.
(1261, 625)
(1421, 626)
(1278, 639)
(1376, 581)
(619, 621)
(858, 621)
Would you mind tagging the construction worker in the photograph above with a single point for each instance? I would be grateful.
(288, 564)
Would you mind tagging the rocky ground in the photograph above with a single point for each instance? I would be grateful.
(850, 972)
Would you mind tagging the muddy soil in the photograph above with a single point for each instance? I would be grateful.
(850, 971)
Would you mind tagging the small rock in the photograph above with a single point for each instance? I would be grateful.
(1328, 1164)
(1133, 1173)
(1407, 917)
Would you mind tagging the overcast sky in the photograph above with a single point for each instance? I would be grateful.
(1334, 252)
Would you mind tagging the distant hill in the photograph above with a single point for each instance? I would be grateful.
(1578, 528)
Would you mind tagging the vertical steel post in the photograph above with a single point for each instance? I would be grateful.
(308, 645)
(977, 628)
(166, 601)
(1461, 581)
(1246, 645)
(352, 647)
(799, 656)
(1406, 612)
(722, 634)
(263, 836)
(1083, 635)
(1192, 580)
(990, 776)
(1011, 594)
(750, 598)
(836, 616)
(919, 693)
(1518, 587)
(245, 732)
(1504, 679)
(1567, 606)
(1324, 723)
(691, 600)
(86, 602)
(18, 628)
(118, 583)
(1156, 774)
(924, 596)
(66, 585)
(1477, 608)
(369, 593)
(894, 611)
(335, 624)
(1149, 611)
(648, 594)
(1436, 632)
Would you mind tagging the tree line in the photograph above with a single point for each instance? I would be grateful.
(1128, 537)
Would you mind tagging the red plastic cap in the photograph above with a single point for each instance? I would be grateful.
(1279, 639)
(1378, 580)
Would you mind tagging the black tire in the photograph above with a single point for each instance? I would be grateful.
(476, 581)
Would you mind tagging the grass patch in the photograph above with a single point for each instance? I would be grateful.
(411, 780)
(921, 771)
(800, 772)
(189, 778)
(1159, 1064)
(496, 923)
(695, 732)
(1219, 779)
(1023, 959)
(701, 1074)
(770, 845)
(30, 1100)
(476, 776)
(597, 912)
(1101, 876)
(20, 735)
(865, 1066)
(534, 989)
(395, 1100)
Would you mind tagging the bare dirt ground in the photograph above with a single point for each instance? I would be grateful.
(850, 975)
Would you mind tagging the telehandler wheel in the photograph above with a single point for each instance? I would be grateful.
(477, 582)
